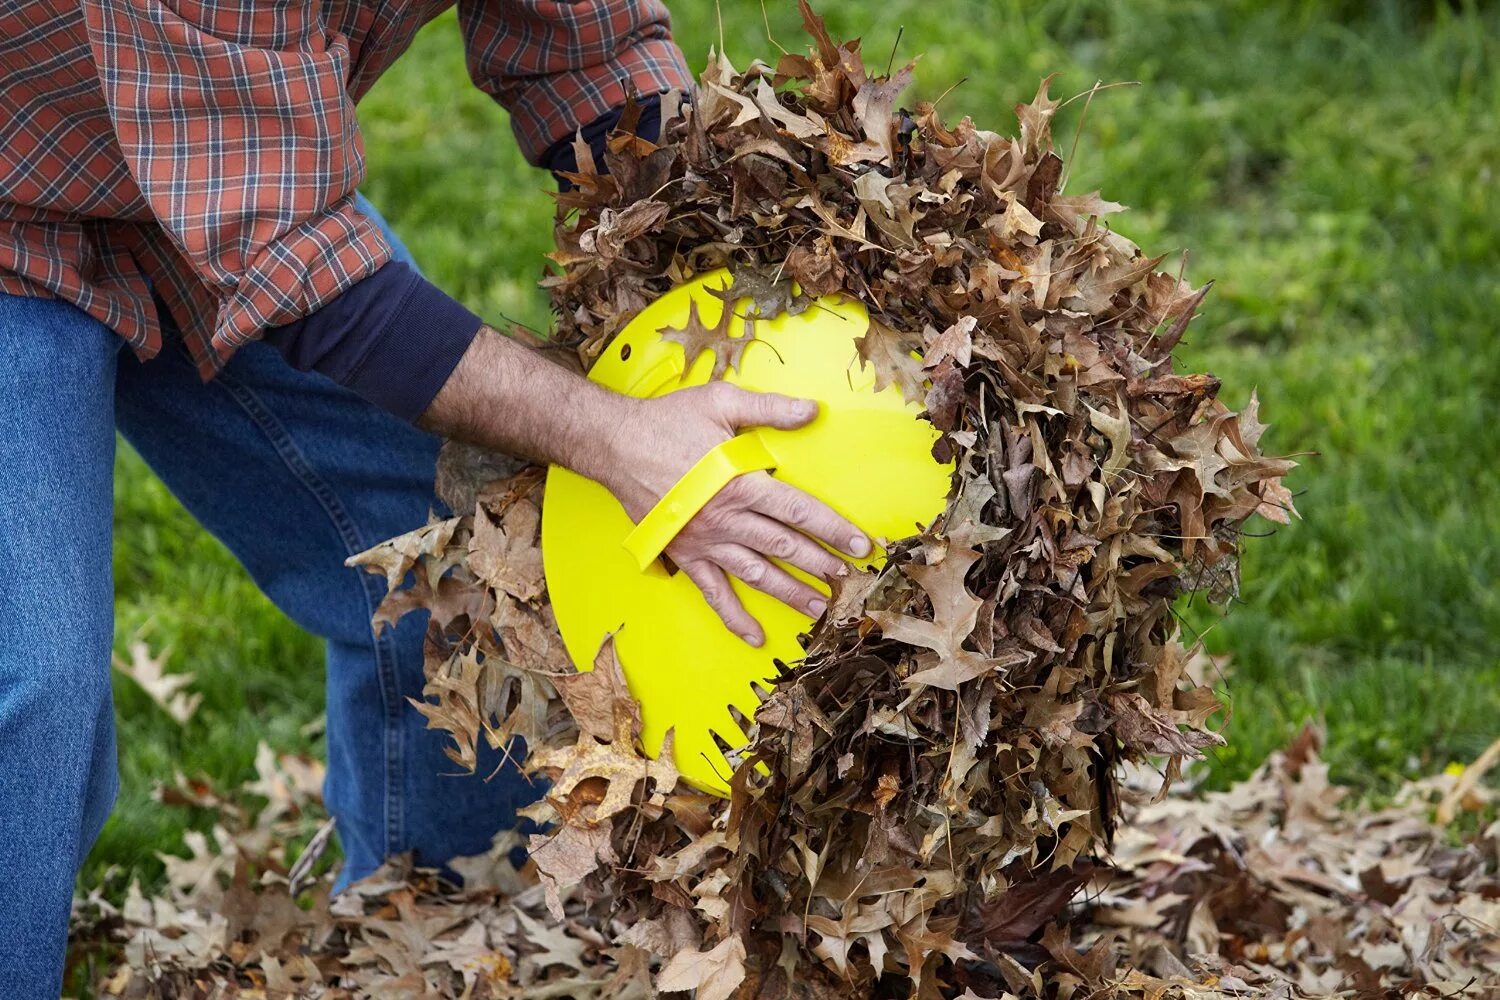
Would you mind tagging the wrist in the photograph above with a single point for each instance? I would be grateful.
(610, 437)
(510, 398)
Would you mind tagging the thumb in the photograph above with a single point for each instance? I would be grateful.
(743, 408)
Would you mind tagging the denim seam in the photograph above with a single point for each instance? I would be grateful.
(297, 464)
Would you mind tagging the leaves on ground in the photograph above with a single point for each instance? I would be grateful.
(1272, 888)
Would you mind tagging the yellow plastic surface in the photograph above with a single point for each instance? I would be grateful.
(867, 454)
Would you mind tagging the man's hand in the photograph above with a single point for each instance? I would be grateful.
(749, 521)
(509, 398)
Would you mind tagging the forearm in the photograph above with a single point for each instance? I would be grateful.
(508, 397)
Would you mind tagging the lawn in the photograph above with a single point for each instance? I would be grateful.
(1330, 167)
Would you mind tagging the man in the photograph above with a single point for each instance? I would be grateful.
(181, 177)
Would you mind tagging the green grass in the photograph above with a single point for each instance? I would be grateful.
(1331, 168)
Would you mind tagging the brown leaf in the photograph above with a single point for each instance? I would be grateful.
(697, 338)
(427, 545)
(1032, 901)
(616, 229)
(891, 354)
(846, 603)
(955, 612)
(873, 104)
(714, 974)
(1141, 727)
(945, 398)
(599, 700)
(769, 290)
(163, 688)
(506, 553)
(956, 342)
(569, 854)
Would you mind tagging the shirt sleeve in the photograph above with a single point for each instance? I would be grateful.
(557, 65)
(236, 124)
(394, 338)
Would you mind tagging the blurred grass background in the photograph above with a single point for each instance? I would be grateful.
(1330, 165)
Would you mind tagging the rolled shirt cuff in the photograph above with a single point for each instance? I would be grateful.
(394, 338)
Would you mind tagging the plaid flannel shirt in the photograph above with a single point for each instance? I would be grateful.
(207, 150)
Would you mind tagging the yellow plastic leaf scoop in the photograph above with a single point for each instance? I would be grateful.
(868, 455)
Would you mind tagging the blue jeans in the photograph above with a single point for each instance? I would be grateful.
(293, 474)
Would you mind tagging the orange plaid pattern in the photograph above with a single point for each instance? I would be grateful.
(208, 151)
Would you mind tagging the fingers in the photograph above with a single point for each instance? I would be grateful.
(811, 516)
(711, 580)
(743, 408)
(765, 576)
(770, 537)
(760, 573)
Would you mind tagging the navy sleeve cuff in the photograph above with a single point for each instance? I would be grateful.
(560, 157)
(393, 338)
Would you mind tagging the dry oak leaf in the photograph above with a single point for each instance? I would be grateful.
(557, 946)
(602, 776)
(520, 694)
(404, 941)
(714, 973)
(956, 342)
(849, 593)
(290, 783)
(455, 596)
(769, 290)
(888, 351)
(1117, 430)
(808, 126)
(964, 524)
(451, 702)
(600, 700)
(617, 228)
(594, 781)
(696, 337)
(506, 553)
(1084, 205)
(567, 856)
(1141, 727)
(395, 557)
(163, 688)
(955, 611)
(470, 955)
(892, 217)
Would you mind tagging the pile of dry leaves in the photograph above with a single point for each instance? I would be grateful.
(953, 735)
(1268, 889)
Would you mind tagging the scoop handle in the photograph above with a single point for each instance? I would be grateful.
(740, 454)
